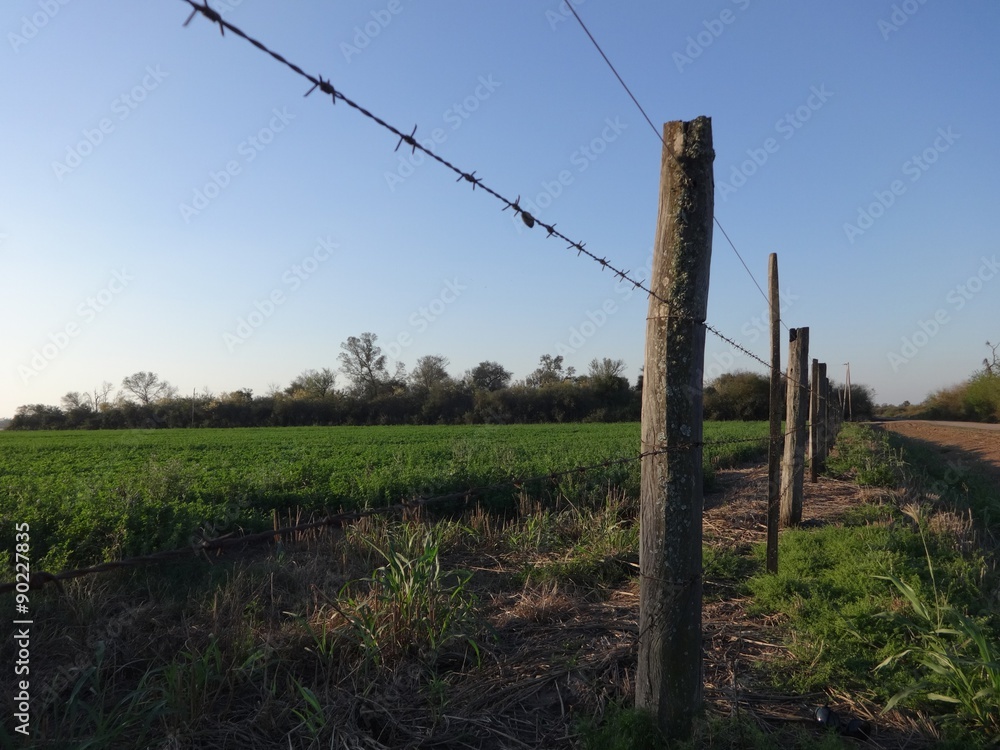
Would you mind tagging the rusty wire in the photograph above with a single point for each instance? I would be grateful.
(410, 140)
(40, 578)
(659, 135)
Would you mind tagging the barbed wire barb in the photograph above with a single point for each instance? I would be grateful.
(323, 86)
(526, 217)
(210, 14)
(409, 139)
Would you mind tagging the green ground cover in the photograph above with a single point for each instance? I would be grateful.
(95, 496)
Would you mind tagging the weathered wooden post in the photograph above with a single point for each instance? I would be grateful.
(814, 439)
(837, 414)
(848, 410)
(793, 468)
(836, 409)
(669, 676)
(774, 446)
(828, 412)
(820, 417)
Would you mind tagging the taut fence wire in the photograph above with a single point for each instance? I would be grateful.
(228, 541)
(327, 87)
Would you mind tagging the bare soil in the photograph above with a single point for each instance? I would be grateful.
(973, 445)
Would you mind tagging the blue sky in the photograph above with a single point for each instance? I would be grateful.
(171, 202)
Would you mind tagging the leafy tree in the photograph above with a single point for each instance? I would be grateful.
(549, 372)
(489, 376)
(313, 383)
(738, 395)
(430, 371)
(147, 387)
(605, 375)
(75, 401)
(38, 417)
(606, 368)
(243, 397)
(364, 364)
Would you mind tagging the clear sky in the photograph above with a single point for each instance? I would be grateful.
(169, 201)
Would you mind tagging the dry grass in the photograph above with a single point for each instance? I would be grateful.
(257, 652)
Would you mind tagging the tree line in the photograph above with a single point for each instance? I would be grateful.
(377, 394)
(374, 394)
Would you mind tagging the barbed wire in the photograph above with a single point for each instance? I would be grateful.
(222, 543)
(326, 87)
(666, 147)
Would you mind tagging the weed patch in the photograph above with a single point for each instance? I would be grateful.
(893, 602)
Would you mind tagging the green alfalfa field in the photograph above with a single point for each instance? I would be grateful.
(94, 496)
(511, 622)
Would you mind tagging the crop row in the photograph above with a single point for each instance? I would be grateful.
(93, 496)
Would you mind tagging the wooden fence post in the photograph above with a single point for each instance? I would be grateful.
(837, 414)
(669, 681)
(774, 445)
(820, 416)
(828, 412)
(848, 409)
(814, 439)
(793, 468)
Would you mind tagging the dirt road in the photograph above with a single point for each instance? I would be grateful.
(978, 443)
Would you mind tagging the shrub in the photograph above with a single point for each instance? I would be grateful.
(981, 397)
(738, 395)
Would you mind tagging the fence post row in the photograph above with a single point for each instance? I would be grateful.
(797, 397)
(774, 445)
(831, 414)
(819, 417)
(669, 680)
(814, 438)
